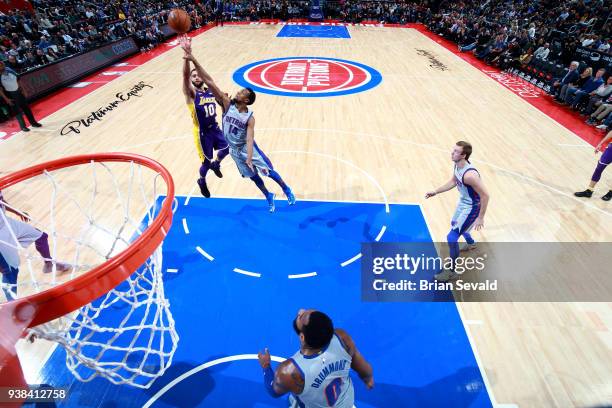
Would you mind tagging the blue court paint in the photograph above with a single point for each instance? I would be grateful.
(314, 31)
(420, 352)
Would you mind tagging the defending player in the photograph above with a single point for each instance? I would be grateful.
(12, 230)
(207, 135)
(317, 376)
(239, 132)
(472, 206)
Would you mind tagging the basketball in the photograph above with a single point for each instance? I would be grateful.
(179, 21)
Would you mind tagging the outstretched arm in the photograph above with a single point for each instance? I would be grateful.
(359, 363)
(187, 87)
(449, 185)
(210, 83)
(287, 377)
(23, 216)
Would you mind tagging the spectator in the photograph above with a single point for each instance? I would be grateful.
(66, 37)
(588, 40)
(41, 57)
(586, 74)
(45, 23)
(498, 47)
(43, 43)
(606, 125)
(29, 59)
(570, 77)
(531, 31)
(542, 52)
(526, 57)
(51, 55)
(467, 41)
(483, 44)
(14, 64)
(601, 113)
(574, 95)
(598, 96)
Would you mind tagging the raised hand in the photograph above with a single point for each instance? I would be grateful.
(185, 42)
(264, 358)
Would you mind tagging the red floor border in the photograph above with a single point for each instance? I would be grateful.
(531, 94)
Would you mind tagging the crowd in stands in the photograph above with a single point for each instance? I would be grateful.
(541, 38)
(60, 28)
(350, 11)
(542, 35)
(403, 12)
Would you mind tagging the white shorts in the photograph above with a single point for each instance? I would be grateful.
(464, 218)
(10, 229)
(260, 162)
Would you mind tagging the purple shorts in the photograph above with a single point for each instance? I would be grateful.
(211, 140)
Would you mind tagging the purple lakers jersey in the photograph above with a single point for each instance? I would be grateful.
(204, 111)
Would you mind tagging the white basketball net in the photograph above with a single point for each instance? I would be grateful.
(128, 335)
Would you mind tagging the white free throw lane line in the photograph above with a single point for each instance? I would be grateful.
(205, 254)
(380, 234)
(189, 196)
(171, 270)
(350, 261)
(242, 271)
(303, 275)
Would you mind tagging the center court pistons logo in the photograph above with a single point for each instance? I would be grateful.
(307, 76)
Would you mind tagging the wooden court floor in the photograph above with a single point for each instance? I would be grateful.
(401, 133)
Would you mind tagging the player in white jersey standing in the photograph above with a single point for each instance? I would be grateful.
(239, 132)
(317, 376)
(472, 206)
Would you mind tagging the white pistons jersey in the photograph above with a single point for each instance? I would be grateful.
(467, 195)
(235, 126)
(327, 382)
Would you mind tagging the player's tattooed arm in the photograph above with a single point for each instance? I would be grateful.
(288, 378)
(358, 363)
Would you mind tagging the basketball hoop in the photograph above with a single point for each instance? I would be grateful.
(110, 314)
